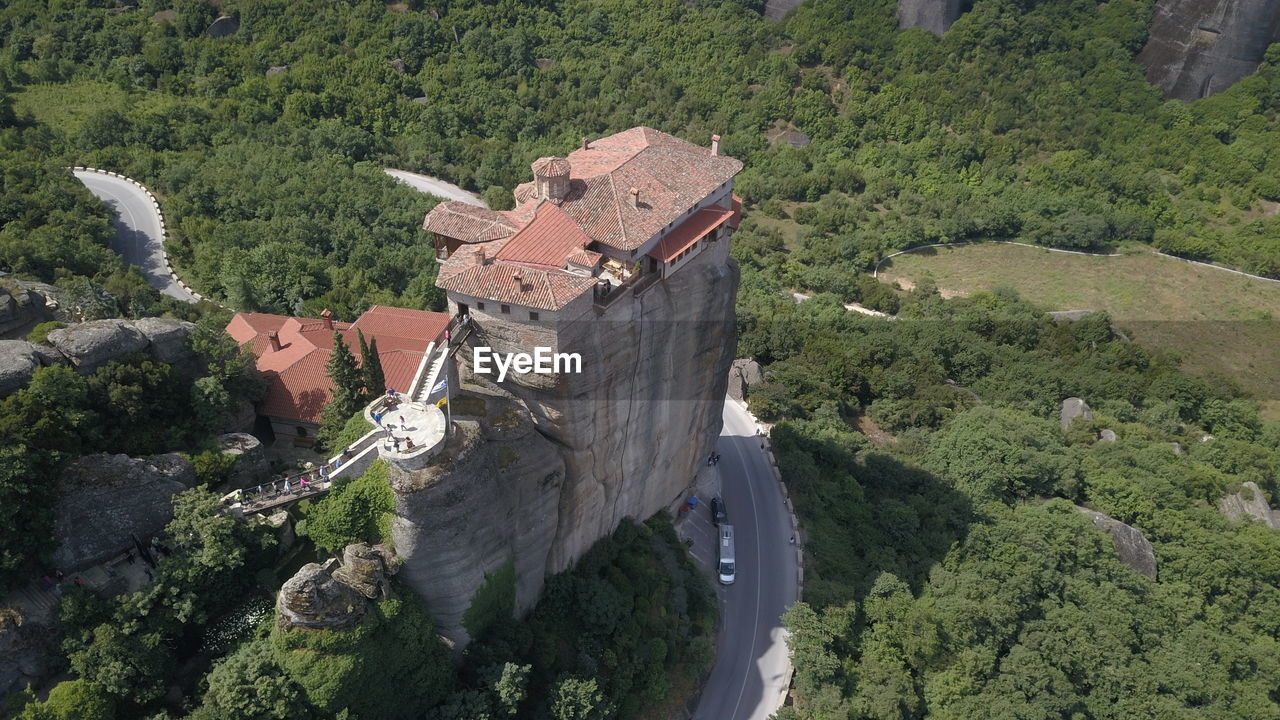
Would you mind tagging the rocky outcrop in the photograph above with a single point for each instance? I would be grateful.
(1107, 435)
(554, 462)
(1072, 408)
(335, 596)
(90, 345)
(778, 9)
(744, 373)
(1251, 502)
(1131, 545)
(1195, 48)
(932, 15)
(23, 304)
(314, 599)
(224, 26)
(19, 360)
(104, 500)
(251, 464)
(365, 569)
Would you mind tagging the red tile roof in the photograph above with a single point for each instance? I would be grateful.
(298, 387)
(546, 242)
(468, 223)
(670, 176)
(542, 289)
(689, 232)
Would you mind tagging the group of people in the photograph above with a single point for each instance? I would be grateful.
(284, 485)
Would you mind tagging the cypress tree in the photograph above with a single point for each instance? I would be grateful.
(347, 381)
(371, 367)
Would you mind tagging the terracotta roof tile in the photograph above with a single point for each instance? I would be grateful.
(468, 223)
(542, 289)
(689, 232)
(298, 387)
(546, 241)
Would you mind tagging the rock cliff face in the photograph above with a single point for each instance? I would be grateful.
(1249, 501)
(491, 497)
(1197, 48)
(105, 499)
(932, 15)
(553, 469)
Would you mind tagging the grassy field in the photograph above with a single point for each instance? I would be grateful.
(1217, 321)
(67, 105)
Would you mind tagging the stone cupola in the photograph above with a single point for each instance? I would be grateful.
(551, 178)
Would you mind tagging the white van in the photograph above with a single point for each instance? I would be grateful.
(726, 555)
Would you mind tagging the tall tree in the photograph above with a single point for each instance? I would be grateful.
(347, 382)
(371, 365)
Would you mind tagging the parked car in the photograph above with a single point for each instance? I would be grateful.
(718, 512)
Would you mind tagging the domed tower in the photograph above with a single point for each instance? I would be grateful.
(551, 178)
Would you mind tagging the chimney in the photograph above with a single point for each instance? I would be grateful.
(635, 197)
(477, 257)
(274, 338)
(585, 145)
(327, 317)
(715, 144)
(519, 277)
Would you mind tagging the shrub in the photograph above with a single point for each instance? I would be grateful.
(40, 332)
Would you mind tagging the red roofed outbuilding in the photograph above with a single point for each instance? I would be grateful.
(292, 353)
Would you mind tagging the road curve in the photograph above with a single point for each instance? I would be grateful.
(435, 186)
(752, 667)
(139, 233)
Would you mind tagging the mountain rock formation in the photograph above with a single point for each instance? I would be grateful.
(932, 15)
(336, 595)
(544, 466)
(104, 500)
(1197, 48)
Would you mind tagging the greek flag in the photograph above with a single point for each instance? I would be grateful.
(440, 386)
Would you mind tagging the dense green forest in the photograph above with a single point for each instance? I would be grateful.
(949, 574)
(1026, 120)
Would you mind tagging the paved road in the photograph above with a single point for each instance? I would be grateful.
(435, 186)
(139, 239)
(752, 668)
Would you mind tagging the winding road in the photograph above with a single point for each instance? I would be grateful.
(752, 669)
(435, 186)
(139, 232)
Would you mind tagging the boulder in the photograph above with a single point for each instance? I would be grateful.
(90, 345)
(105, 500)
(170, 339)
(224, 26)
(744, 373)
(1107, 435)
(365, 568)
(1131, 545)
(1249, 501)
(251, 466)
(18, 361)
(21, 306)
(932, 15)
(314, 599)
(1072, 408)
(397, 65)
(276, 70)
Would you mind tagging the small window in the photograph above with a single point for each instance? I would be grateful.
(479, 306)
(506, 309)
(533, 316)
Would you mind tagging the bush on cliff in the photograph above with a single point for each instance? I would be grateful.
(353, 511)
(390, 666)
